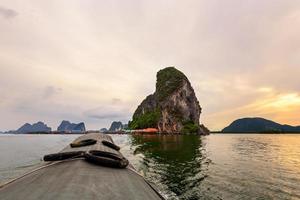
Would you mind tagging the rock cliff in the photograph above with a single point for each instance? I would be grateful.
(116, 126)
(173, 108)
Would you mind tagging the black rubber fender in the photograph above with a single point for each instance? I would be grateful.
(82, 143)
(106, 159)
(111, 145)
(63, 156)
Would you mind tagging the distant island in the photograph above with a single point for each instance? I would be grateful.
(173, 108)
(115, 127)
(103, 130)
(68, 127)
(259, 125)
(36, 127)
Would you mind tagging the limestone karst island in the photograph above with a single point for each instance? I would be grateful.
(172, 108)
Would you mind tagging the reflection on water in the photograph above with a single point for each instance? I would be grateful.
(177, 164)
(231, 166)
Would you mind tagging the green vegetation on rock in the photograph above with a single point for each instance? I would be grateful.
(147, 120)
(190, 127)
(168, 80)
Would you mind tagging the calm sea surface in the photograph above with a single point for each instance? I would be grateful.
(231, 166)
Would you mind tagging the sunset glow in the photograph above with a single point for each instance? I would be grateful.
(285, 102)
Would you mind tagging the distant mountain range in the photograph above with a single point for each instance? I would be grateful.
(41, 127)
(36, 127)
(64, 127)
(259, 125)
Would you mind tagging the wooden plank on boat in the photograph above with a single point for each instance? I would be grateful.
(78, 179)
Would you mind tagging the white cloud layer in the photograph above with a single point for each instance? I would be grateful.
(94, 61)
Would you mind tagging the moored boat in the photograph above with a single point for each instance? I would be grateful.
(145, 131)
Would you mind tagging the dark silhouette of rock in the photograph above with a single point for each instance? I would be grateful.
(66, 126)
(258, 125)
(102, 130)
(173, 108)
(79, 127)
(36, 127)
(115, 126)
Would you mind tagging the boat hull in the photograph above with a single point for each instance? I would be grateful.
(78, 179)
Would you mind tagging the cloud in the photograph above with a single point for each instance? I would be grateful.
(7, 13)
(284, 101)
(109, 116)
(116, 100)
(235, 53)
(50, 91)
(109, 112)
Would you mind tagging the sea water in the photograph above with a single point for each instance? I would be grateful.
(231, 166)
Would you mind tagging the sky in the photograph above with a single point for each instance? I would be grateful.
(95, 61)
